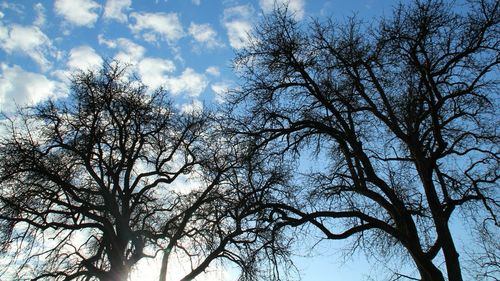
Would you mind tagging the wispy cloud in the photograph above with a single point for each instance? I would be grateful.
(157, 26)
(40, 14)
(220, 89)
(115, 9)
(128, 51)
(205, 35)
(296, 7)
(237, 22)
(213, 70)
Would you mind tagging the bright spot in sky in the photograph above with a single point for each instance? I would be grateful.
(149, 269)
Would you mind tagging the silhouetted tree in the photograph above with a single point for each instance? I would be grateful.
(112, 174)
(89, 173)
(226, 221)
(401, 116)
(484, 255)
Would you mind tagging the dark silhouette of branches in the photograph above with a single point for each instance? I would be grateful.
(113, 174)
(402, 117)
(86, 172)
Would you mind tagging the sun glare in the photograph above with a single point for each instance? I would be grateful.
(149, 269)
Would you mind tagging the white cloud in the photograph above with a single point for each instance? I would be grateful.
(213, 70)
(238, 33)
(128, 51)
(20, 88)
(78, 12)
(220, 89)
(237, 22)
(18, 8)
(294, 6)
(152, 71)
(114, 9)
(40, 14)
(196, 2)
(157, 26)
(193, 108)
(83, 58)
(205, 35)
(108, 43)
(189, 82)
(29, 40)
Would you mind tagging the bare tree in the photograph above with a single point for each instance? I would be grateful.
(90, 174)
(401, 116)
(484, 254)
(113, 174)
(225, 222)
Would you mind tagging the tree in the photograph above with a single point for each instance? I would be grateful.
(485, 255)
(89, 173)
(403, 115)
(114, 174)
(226, 221)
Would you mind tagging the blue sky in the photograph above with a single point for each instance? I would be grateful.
(184, 45)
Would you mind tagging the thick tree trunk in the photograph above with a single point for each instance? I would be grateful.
(441, 222)
(117, 274)
(119, 270)
(428, 271)
(450, 253)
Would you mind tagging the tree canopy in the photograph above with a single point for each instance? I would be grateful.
(382, 135)
(401, 119)
(113, 174)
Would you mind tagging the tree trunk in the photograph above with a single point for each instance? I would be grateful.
(450, 253)
(441, 222)
(428, 271)
(164, 263)
(117, 274)
(119, 270)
